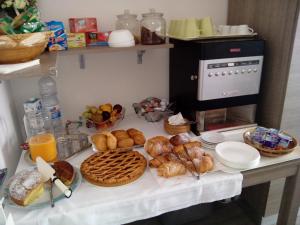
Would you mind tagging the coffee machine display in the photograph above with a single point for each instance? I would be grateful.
(216, 82)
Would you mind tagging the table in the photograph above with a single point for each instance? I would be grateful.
(267, 170)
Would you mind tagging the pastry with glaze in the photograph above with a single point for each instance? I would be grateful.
(26, 186)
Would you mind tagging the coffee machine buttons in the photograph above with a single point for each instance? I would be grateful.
(254, 70)
(230, 72)
(243, 71)
(223, 73)
(210, 74)
(217, 74)
(249, 70)
(236, 72)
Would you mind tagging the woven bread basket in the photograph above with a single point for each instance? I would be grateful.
(176, 129)
(22, 47)
(269, 152)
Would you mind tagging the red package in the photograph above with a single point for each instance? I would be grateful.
(97, 38)
(82, 25)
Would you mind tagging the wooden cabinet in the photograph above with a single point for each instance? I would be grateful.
(276, 22)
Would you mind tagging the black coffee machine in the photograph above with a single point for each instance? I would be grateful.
(216, 82)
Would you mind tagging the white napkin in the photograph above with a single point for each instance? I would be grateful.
(176, 119)
(9, 68)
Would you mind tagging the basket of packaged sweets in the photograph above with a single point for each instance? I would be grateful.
(270, 142)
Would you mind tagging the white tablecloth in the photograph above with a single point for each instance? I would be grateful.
(141, 199)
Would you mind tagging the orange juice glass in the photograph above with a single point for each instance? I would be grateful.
(43, 145)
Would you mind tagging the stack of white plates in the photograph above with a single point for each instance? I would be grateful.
(237, 155)
(211, 139)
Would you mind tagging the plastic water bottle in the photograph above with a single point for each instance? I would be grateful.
(33, 118)
(51, 109)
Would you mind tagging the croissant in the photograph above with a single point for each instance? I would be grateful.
(171, 169)
(160, 159)
(179, 139)
(192, 144)
(158, 145)
(157, 161)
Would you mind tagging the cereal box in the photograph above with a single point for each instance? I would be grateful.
(76, 40)
(58, 38)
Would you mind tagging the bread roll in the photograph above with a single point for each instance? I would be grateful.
(125, 143)
(132, 132)
(99, 141)
(139, 139)
(111, 141)
(120, 134)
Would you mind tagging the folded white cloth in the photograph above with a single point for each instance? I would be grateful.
(9, 68)
(176, 119)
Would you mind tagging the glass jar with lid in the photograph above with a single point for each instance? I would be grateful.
(129, 22)
(153, 28)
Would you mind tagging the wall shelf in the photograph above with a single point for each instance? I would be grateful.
(103, 49)
(48, 60)
(47, 66)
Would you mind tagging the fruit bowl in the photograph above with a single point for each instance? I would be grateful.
(105, 117)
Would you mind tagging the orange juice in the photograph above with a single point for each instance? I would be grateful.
(43, 145)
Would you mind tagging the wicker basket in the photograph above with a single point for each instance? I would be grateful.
(22, 47)
(268, 151)
(176, 129)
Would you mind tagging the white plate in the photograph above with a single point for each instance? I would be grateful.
(44, 199)
(237, 155)
(213, 137)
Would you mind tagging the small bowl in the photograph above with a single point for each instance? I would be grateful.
(120, 37)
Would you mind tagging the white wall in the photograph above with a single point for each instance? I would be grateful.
(113, 77)
(9, 131)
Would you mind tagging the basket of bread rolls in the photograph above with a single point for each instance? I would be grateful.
(117, 139)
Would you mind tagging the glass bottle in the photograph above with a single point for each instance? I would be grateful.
(129, 21)
(153, 28)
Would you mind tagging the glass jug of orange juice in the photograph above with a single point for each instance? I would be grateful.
(43, 145)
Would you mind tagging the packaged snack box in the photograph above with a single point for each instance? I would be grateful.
(58, 38)
(76, 40)
(97, 38)
(82, 25)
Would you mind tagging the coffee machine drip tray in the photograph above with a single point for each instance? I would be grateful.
(216, 119)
